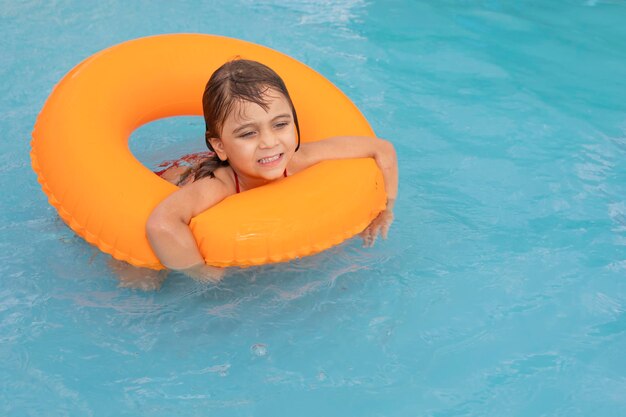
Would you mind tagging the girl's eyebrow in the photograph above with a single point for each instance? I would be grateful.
(282, 115)
(242, 127)
(247, 125)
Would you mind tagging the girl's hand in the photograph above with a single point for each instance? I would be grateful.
(380, 224)
(205, 273)
(137, 278)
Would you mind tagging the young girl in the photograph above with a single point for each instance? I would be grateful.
(252, 130)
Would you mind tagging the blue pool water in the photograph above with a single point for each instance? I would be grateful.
(500, 292)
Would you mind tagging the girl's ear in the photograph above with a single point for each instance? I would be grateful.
(218, 147)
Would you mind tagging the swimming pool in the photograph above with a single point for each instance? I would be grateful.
(500, 292)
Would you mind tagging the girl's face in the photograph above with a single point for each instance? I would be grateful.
(258, 143)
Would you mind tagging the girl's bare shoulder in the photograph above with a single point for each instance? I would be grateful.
(301, 160)
(222, 177)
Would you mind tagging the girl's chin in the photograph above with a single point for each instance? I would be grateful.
(265, 175)
(273, 176)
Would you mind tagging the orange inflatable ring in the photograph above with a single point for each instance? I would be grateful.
(81, 156)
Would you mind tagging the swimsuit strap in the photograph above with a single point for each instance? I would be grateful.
(237, 179)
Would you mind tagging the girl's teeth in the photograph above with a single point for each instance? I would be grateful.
(270, 159)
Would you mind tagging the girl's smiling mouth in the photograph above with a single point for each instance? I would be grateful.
(271, 160)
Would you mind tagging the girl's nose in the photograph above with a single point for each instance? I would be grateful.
(268, 140)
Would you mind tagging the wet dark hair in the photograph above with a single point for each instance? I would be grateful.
(236, 81)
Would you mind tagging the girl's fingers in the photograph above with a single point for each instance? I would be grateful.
(373, 234)
(366, 235)
(384, 231)
(205, 273)
(385, 228)
(380, 224)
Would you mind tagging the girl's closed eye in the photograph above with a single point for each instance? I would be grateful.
(281, 125)
(248, 134)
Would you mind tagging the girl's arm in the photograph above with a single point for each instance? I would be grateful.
(168, 229)
(341, 147)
